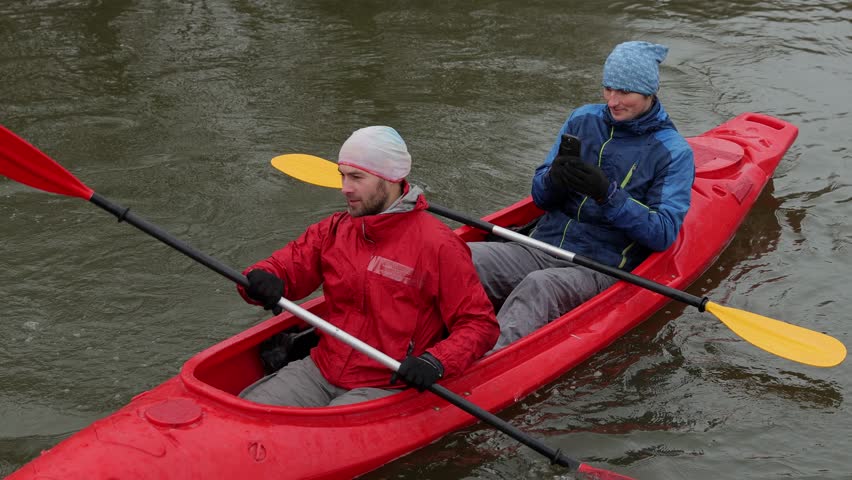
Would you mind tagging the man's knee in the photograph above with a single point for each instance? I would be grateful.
(298, 384)
(361, 395)
(537, 282)
(267, 391)
(482, 255)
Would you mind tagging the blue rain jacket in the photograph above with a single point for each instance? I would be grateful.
(654, 169)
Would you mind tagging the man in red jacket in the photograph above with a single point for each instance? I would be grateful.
(393, 276)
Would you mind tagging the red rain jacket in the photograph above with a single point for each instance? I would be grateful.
(390, 280)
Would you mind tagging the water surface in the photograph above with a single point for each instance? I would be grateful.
(175, 108)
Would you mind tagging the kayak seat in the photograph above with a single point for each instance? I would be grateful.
(287, 346)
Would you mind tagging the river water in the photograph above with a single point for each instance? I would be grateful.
(176, 108)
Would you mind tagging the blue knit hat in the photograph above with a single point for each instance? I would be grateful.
(634, 67)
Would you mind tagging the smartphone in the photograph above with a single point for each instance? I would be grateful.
(569, 146)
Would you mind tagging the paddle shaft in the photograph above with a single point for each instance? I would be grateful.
(672, 293)
(125, 215)
(555, 456)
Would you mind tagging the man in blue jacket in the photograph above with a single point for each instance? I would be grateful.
(625, 195)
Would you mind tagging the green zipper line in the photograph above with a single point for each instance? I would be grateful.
(600, 160)
(600, 154)
(640, 203)
(629, 175)
(581, 207)
(564, 231)
(624, 255)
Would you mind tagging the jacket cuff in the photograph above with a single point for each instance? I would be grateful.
(431, 360)
(613, 205)
(613, 187)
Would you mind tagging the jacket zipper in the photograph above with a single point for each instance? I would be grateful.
(600, 161)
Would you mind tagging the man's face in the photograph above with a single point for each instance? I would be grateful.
(366, 194)
(626, 105)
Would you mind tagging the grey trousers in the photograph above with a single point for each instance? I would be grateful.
(300, 384)
(529, 288)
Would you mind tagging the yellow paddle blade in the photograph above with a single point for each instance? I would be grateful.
(783, 339)
(309, 168)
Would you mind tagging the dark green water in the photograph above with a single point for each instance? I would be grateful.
(175, 109)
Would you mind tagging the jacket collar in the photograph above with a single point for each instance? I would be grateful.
(407, 202)
(378, 227)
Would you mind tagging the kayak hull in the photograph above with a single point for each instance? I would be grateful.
(194, 426)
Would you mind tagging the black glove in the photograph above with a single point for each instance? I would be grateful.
(586, 179)
(264, 287)
(569, 152)
(568, 172)
(419, 372)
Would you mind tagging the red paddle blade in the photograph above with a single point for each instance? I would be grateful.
(26, 164)
(588, 472)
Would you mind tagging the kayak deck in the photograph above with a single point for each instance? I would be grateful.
(194, 426)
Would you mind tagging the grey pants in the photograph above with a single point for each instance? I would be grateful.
(300, 384)
(529, 288)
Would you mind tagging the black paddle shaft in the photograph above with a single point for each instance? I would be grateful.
(672, 293)
(125, 215)
(555, 456)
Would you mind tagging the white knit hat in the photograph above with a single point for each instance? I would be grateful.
(377, 150)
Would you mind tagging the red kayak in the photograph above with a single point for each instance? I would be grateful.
(194, 426)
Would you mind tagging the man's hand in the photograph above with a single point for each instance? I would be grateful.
(568, 173)
(265, 288)
(569, 153)
(420, 372)
(586, 179)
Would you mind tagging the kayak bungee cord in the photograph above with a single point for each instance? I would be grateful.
(24, 163)
(780, 338)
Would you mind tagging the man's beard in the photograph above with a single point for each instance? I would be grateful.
(373, 205)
